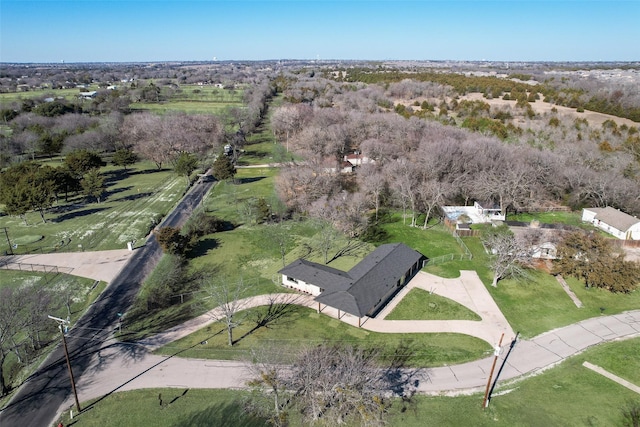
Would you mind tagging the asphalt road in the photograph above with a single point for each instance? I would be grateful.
(40, 396)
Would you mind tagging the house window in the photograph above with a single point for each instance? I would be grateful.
(291, 279)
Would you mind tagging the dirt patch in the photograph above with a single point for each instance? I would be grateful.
(541, 107)
(632, 254)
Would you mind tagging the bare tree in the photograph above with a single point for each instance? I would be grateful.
(432, 194)
(270, 383)
(508, 253)
(288, 120)
(279, 235)
(406, 185)
(332, 385)
(227, 298)
(11, 323)
(373, 183)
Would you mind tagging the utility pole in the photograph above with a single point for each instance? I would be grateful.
(65, 323)
(6, 233)
(496, 353)
(504, 362)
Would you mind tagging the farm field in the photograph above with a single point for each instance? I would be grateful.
(193, 99)
(68, 94)
(135, 200)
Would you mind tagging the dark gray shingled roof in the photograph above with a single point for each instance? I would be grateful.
(318, 274)
(359, 290)
(615, 218)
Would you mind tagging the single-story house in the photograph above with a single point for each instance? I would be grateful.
(88, 95)
(489, 210)
(357, 159)
(479, 213)
(329, 167)
(613, 221)
(543, 242)
(361, 291)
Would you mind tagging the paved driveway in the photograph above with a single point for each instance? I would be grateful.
(98, 265)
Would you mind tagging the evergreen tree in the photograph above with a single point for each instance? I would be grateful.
(223, 168)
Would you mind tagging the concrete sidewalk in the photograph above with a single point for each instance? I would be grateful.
(121, 367)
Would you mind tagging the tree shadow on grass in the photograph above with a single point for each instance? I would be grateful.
(204, 246)
(114, 176)
(132, 197)
(146, 171)
(250, 179)
(280, 311)
(117, 190)
(77, 214)
(232, 414)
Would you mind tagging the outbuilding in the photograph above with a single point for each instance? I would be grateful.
(613, 221)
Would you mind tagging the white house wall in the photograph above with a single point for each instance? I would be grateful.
(301, 286)
(588, 215)
(634, 232)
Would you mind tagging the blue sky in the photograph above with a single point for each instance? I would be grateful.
(510, 30)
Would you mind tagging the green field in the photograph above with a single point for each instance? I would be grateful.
(68, 94)
(193, 99)
(419, 304)
(189, 107)
(134, 201)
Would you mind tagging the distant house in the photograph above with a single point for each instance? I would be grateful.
(542, 242)
(357, 159)
(613, 221)
(361, 291)
(345, 167)
(479, 213)
(489, 210)
(87, 95)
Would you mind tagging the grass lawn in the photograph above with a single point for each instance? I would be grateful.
(189, 107)
(193, 99)
(567, 395)
(134, 201)
(419, 304)
(433, 242)
(539, 304)
(228, 200)
(570, 218)
(181, 407)
(299, 326)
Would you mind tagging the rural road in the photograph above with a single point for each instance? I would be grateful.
(40, 396)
